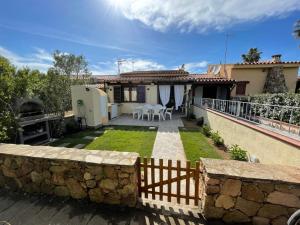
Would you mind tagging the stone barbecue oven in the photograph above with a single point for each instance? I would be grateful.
(33, 122)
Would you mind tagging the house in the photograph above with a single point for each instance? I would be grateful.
(260, 77)
(166, 87)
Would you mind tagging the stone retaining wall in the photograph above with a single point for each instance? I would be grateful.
(101, 176)
(240, 192)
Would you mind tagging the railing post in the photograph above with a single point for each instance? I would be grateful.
(238, 110)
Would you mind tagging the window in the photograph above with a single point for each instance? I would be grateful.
(117, 94)
(133, 94)
(240, 88)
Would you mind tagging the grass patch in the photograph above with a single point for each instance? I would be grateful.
(117, 138)
(196, 145)
(76, 138)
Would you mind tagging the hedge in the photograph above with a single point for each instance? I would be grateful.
(276, 112)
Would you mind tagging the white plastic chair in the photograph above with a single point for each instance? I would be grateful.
(136, 112)
(146, 111)
(156, 112)
(169, 111)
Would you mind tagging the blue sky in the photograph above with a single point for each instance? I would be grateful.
(154, 34)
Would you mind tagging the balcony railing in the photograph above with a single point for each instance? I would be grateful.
(285, 119)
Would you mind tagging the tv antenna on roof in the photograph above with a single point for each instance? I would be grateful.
(120, 61)
(226, 49)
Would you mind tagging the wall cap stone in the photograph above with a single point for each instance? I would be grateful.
(71, 154)
(254, 171)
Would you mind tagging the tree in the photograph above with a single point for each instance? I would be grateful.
(70, 64)
(253, 55)
(8, 128)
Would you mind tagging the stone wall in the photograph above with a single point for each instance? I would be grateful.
(101, 176)
(275, 81)
(240, 192)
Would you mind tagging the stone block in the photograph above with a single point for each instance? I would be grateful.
(285, 199)
(250, 208)
(128, 169)
(58, 179)
(108, 184)
(292, 189)
(96, 195)
(58, 169)
(224, 201)
(75, 188)
(61, 191)
(8, 172)
(212, 212)
(272, 211)
(212, 181)
(252, 192)
(236, 217)
(36, 177)
(88, 176)
(109, 171)
(231, 187)
(260, 221)
(210, 189)
(266, 187)
(91, 183)
(279, 221)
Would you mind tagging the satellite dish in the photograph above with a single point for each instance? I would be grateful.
(217, 69)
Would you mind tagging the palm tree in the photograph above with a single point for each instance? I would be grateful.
(297, 29)
(253, 55)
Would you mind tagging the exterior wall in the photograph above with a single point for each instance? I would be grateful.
(257, 78)
(100, 176)
(151, 94)
(92, 103)
(240, 192)
(267, 149)
(199, 92)
(256, 75)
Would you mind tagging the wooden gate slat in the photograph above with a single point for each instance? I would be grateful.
(148, 184)
(139, 176)
(197, 171)
(161, 177)
(146, 176)
(169, 178)
(178, 181)
(152, 177)
(188, 165)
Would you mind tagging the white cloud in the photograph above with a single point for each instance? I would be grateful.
(111, 67)
(203, 15)
(196, 67)
(40, 60)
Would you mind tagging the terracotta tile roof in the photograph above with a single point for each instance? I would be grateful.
(196, 78)
(151, 73)
(268, 63)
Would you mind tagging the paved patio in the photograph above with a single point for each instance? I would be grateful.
(17, 208)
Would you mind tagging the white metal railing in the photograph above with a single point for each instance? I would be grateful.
(283, 118)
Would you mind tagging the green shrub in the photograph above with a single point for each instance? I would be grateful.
(276, 113)
(215, 136)
(206, 130)
(237, 153)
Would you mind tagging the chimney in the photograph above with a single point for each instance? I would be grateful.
(276, 58)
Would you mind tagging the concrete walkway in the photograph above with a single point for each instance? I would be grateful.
(168, 144)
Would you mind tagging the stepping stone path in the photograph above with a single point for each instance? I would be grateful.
(64, 145)
(79, 146)
(99, 132)
(89, 137)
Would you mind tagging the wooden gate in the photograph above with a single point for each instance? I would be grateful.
(171, 181)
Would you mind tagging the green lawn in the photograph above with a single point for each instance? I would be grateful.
(117, 138)
(196, 145)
